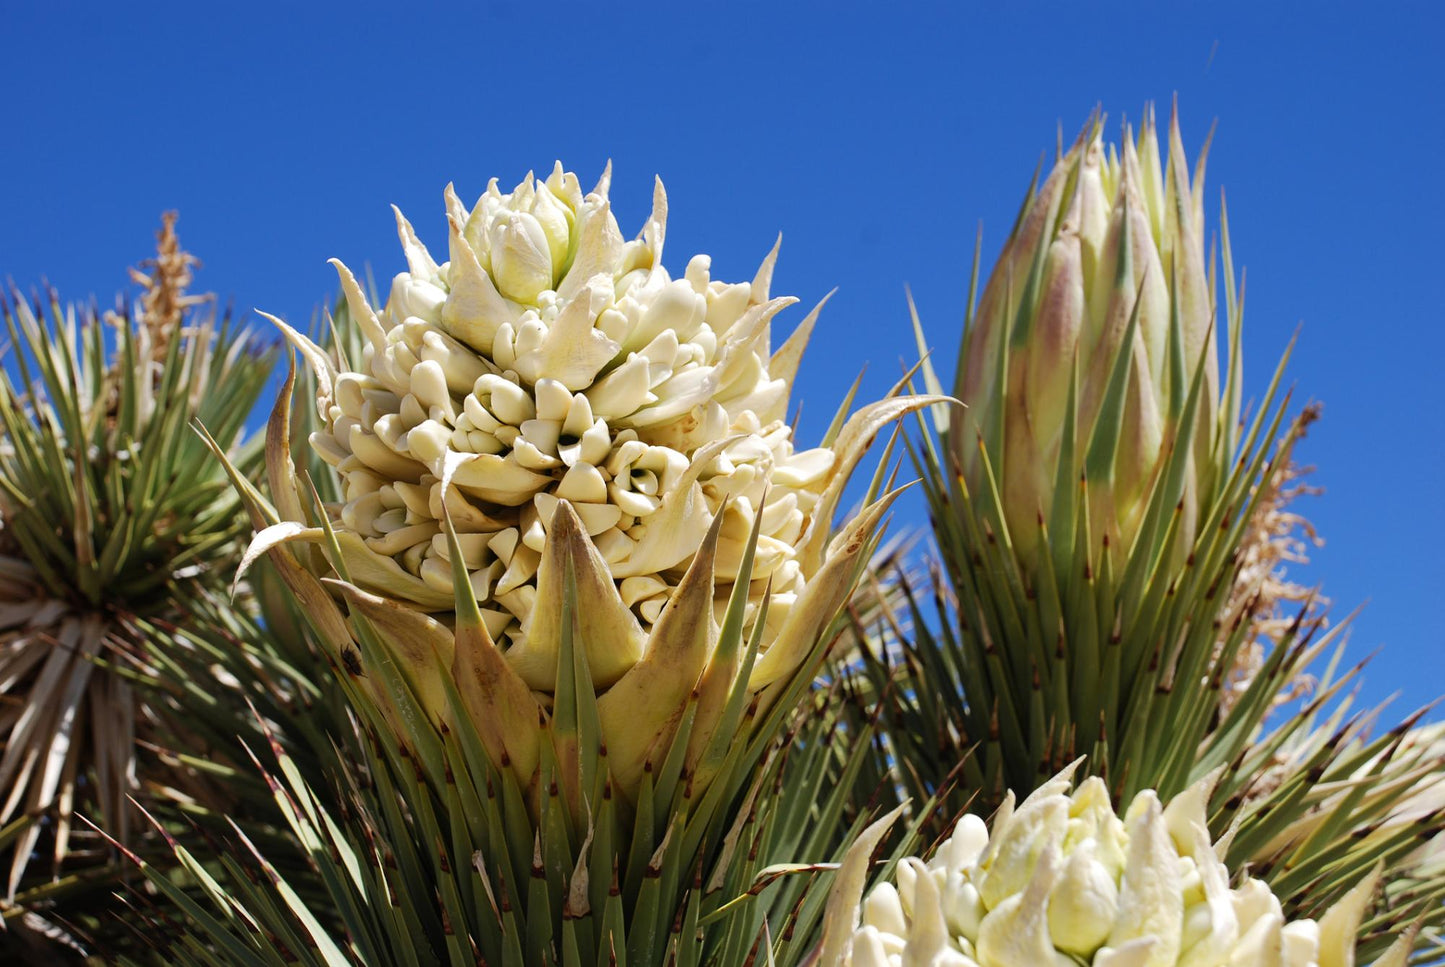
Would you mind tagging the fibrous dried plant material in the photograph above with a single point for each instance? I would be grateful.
(1263, 593)
(164, 281)
(111, 511)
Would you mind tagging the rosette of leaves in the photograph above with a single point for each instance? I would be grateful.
(115, 522)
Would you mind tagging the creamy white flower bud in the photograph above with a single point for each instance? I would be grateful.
(521, 256)
(1083, 903)
(884, 910)
(413, 298)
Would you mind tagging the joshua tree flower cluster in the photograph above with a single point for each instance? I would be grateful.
(1062, 879)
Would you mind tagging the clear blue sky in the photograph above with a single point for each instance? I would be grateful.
(874, 138)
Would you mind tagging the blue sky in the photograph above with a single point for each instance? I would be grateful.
(875, 138)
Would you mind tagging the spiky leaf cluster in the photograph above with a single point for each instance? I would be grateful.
(112, 517)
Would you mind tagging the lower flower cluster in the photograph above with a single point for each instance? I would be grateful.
(1063, 880)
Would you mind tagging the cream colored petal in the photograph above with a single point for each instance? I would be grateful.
(726, 304)
(418, 259)
(866, 949)
(928, 939)
(840, 916)
(1016, 847)
(359, 307)
(881, 907)
(852, 442)
(1150, 901)
(678, 526)
(593, 446)
(509, 402)
(453, 204)
(599, 245)
(397, 540)
(676, 397)
(962, 906)
(284, 532)
(1083, 903)
(1187, 812)
(521, 568)
(596, 518)
(1301, 940)
(497, 479)
(553, 400)
(556, 221)
(579, 417)
(1015, 933)
(382, 575)
(573, 350)
(623, 391)
(674, 308)
(1222, 926)
(474, 310)
(655, 231)
(804, 469)
(1058, 785)
(461, 366)
(763, 278)
(521, 260)
(965, 844)
(1261, 946)
(582, 483)
(1135, 953)
(429, 385)
(1253, 900)
(381, 458)
(465, 515)
(328, 447)
(747, 339)
(636, 589)
(321, 365)
(1342, 921)
(632, 503)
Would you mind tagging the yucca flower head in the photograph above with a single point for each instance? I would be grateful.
(551, 409)
(1064, 880)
